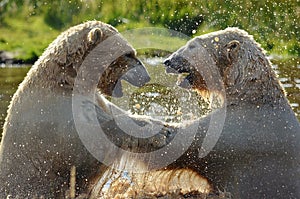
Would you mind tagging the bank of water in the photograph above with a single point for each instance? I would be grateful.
(161, 97)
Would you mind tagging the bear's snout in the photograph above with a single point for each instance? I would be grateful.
(169, 68)
(177, 64)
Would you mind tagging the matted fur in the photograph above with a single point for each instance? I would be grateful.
(246, 72)
(40, 142)
(257, 152)
(62, 59)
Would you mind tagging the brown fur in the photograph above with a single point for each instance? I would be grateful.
(40, 142)
(59, 65)
(113, 74)
(246, 71)
(257, 152)
(164, 183)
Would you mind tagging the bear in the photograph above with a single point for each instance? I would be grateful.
(257, 152)
(40, 144)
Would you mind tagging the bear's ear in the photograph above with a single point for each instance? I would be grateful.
(232, 49)
(95, 36)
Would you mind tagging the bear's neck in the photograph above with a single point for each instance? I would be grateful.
(260, 91)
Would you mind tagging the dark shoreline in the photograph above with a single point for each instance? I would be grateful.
(8, 58)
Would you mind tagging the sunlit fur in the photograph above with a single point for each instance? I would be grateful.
(40, 142)
(256, 154)
(247, 77)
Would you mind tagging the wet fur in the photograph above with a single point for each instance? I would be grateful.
(40, 143)
(257, 154)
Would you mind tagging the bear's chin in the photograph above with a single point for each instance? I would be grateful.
(213, 97)
(194, 81)
(185, 81)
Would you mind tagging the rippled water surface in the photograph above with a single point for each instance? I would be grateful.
(161, 93)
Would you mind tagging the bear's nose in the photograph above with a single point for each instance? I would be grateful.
(167, 62)
(169, 67)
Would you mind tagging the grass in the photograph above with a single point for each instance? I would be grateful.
(26, 39)
(27, 27)
(29, 39)
(156, 38)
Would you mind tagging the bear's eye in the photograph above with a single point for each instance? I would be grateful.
(192, 46)
(128, 54)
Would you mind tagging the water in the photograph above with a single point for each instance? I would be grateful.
(10, 78)
(161, 93)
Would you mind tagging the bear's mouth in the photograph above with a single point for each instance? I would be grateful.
(110, 81)
(189, 77)
(136, 76)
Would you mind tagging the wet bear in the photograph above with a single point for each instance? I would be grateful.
(40, 143)
(257, 152)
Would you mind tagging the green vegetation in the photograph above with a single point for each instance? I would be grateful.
(28, 26)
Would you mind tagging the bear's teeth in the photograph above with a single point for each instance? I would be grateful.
(183, 82)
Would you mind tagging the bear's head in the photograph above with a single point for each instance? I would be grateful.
(230, 57)
(62, 60)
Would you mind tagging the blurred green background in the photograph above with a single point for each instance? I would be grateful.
(28, 26)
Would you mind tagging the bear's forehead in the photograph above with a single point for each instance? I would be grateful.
(222, 36)
(216, 38)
